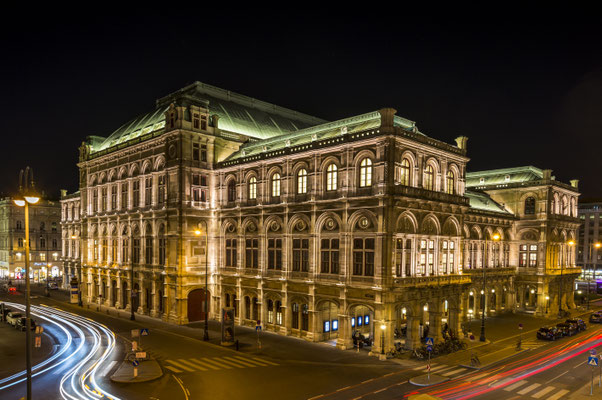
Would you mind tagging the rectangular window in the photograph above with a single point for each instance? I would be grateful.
(114, 197)
(103, 199)
(148, 250)
(329, 256)
(105, 251)
(95, 200)
(203, 146)
(161, 192)
(136, 251)
(136, 193)
(161, 251)
(231, 249)
(301, 255)
(363, 257)
(196, 121)
(148, 191)
(275, 254)
(252, 253)
(124, 195)
(195, 152)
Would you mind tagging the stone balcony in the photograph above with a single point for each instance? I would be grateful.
(424, 281)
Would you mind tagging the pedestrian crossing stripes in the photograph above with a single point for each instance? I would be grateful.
(536, 390)
(205, 364)
(444, 370)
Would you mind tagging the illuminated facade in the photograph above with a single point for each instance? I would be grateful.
(45, 238)
(315, 228)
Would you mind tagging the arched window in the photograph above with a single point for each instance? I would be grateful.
(232, 191)
(366, 172)
(331, 177)
(451, 182)
(276, 185)
(530, 206)
(404, 176)
(302, 181)
(428, 179)
(252, 188)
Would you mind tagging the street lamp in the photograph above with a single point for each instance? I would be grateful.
(198, 232)
(495, 237)
(597, 245)
(382, 338)
(570, 243)
(547, 303)
(26, 197)
(81, 264)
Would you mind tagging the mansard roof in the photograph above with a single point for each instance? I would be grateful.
(503, 176)
(483, 202)
(237, 113)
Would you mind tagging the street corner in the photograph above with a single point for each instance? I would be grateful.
(428, 380)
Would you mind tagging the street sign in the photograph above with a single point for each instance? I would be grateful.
(134, 345)
(135, 333)
(135, 363)
(520, 326)
(429, 341)
(429, 348)
(593, 361)
(141, 354)
(144, 332)
(39, 329)
(39, 342)
(258, 325)
(592, 352)
(428, 367)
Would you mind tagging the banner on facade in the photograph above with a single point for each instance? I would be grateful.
(227, 326)
(74, 290)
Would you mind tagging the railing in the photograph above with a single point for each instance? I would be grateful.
(490, 271)
(433, 280)
(411, 191)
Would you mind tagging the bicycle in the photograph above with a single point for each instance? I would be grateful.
(418, 354)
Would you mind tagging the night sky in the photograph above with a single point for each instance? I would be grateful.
(524, 87)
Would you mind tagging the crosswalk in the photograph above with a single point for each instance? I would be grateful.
(449, 371)
(533, 343)
(205, 364)
(536, 390)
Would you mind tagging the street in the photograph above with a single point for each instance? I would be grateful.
(87, 347)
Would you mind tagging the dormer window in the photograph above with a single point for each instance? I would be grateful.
(481, 180)
(507, 178)
(196, 121)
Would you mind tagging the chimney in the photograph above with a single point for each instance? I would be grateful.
(461, 142)
(386, 119)
(547, 174)
(575, 183)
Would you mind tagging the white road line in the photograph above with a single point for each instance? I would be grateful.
(543, 392)
(423, 367)
(455, 371)
(553, 379)
(558, 395)
(173, 369)
(108, 368)
(229, 362)
(529, 388)
(496, 385)
(180, 365)
(264, 361)
(381, 390)
(514, 386)
(196, 361)
(207, 360)
(251, 361)
(192, 365)
(248, 364)
(442, 368)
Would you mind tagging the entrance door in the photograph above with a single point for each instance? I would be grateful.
(196, 305)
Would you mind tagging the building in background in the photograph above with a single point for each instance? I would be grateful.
(319, 229)
(589, 257)
(45, 238)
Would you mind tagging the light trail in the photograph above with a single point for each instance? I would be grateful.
(84, 359)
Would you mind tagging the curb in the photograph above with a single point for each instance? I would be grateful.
(422, 380)
(138, 379)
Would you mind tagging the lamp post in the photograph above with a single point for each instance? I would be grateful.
(570, 243)
(594, 264)
(495, 238)
(547, 303)
(198, 232)
(132, 259)
(25, 198)
(382, 338)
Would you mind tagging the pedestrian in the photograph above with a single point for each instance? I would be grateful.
(236, 344)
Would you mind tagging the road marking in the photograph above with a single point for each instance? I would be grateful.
(229, 363)
(264, 361)
(369, 380)
(455, 371)
(207, 360)
(316, 397)
(422, 367)
(529, 388)
(497, 384)
(553, 379)
(381, 390)
(442, 368)
(108, 368)
(514, 386)
(173, 369)
(251, 361)
(186, 392)
(343, 388)
(558, 395)
(180, 366)
(543, 392)
(248, 364)
(192, 365)
(203, 363)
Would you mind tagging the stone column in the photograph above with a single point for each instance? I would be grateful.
(344, 341)
(141, 297)
(154, 292)
(435, 325)
(413, 332)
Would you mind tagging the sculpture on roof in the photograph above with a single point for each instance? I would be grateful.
(84, 151)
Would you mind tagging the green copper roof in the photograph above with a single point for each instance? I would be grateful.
(237, 113)
(503, 176)
(482, 201)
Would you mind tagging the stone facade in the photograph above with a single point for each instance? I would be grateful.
(316, 228)
(45, 238)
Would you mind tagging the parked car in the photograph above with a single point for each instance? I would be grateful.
(12, 317)
(581, 326)
(53, 286)
(549, 333)
(596, 317)
(22, 324)
(5, 313)
(567, 329)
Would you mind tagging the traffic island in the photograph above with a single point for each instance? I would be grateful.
(428, 380)
(147, 370)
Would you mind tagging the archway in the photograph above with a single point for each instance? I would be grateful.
(362, 323)
(196, 305)
(328, 320)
